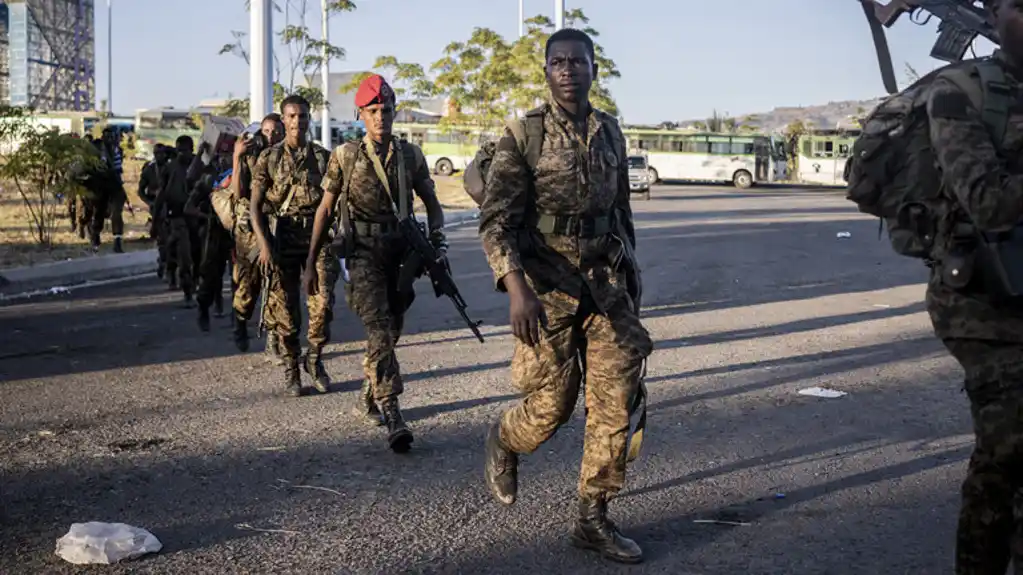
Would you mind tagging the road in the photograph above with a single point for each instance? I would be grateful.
(116, 408)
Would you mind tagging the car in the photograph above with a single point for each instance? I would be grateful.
(639, 175)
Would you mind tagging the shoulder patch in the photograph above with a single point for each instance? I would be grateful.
(950, 105)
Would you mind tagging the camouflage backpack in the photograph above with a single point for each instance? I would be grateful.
(528, 134)
(892, 172)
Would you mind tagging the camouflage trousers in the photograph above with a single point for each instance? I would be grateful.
(248, 278)
(606, 351)
(372, 294)
(179, 243)
(285, 302)
(990, 529)
(80, 209)
(110, 205)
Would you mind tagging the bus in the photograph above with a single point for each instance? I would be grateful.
(821, 156)
(447, 149)
(742, 159)
(163, 126)
(340, 132)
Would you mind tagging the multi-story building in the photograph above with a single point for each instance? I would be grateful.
(47, 54)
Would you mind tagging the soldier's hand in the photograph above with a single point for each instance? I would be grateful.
(526, 311)
(310, 280)
(266, 259)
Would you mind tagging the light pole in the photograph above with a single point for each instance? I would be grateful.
(110, 58)
(261, 100)
(559, 14)
(325, 69)
(522, 18)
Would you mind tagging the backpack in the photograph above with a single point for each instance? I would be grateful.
(223, 202)
(528, 134)
(892, 172)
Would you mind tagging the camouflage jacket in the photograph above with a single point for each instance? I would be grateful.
(576, 175)
(989, 190)
(367, 198)
(281, 171)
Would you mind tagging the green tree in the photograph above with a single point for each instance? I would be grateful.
(477, 75)
(43, 165)
(410, 82)
(303, 48)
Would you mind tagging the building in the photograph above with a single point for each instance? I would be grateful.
(47, 54)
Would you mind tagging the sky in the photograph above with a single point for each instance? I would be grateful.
(679, 59)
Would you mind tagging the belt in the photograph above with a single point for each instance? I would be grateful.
(374, 228)
(579, 226)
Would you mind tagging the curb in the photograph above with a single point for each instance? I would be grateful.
(58, 276)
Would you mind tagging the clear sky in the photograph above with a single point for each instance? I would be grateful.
(679, 59)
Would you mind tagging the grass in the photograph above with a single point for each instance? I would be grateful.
(18, 246)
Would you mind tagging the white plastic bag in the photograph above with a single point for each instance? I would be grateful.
(105, 543)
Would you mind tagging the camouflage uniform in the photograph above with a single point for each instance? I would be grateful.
(556, 226)
(374, 261)
(984, 334)
(149, 186)
(171, 202)
(293, 178)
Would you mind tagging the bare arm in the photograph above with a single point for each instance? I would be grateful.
(331, 188)
(971, 168)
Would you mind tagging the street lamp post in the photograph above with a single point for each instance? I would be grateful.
(522, 18)
(325, 118)
(110, 58)
(559, 14)
(261, 99)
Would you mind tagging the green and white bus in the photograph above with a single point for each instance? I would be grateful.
(821, 156)
(163, 126)
(447, 149)
(742, 159)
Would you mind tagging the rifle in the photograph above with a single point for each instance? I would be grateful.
(961, 23)
(437, 268)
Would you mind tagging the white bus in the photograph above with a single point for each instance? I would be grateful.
(821, 156)
(742, 159)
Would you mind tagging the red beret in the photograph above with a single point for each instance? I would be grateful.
(373, 90)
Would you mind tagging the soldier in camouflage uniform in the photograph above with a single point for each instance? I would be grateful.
(983, 331)
(367, 177)
(247, 275)
(149, 188)
(175, 188)
(555, 237)
(286, 189)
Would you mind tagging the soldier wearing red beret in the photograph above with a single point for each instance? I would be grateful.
(370, 183)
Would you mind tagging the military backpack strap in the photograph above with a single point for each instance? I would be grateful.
(534, 137)
(989, 93)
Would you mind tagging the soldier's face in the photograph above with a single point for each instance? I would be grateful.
(160, 158)
(273, 131)
(378, 119)
(570, 71)
(296, 121)
(1009, 25)
(185, 152)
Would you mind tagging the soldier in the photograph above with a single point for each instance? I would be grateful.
(286, 190)
(981, 327)
(149, 187)
(115, 197)
(216, 241)
(247, 275)
(558, 233)
(365, 178)
(174, 193)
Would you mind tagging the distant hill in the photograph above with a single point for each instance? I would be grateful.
(831, 116)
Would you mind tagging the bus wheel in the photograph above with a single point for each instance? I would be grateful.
(444, 167)
(652, 173)
(742, 179)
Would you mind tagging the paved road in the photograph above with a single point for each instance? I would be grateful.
(116, 408)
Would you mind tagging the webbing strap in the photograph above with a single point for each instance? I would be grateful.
(997, 100)
(402, 200)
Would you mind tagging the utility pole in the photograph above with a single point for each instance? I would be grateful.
(325, 70)
(522, 17)
(559, 14)
(110, 58)
(261, 99)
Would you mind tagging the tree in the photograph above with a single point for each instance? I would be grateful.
(477, 76)
(43, 165)
(304, 50)
(410, 82)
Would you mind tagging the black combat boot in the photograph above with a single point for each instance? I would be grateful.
(398, 435)
(118, 247)
(595, 532)
(204, 318)
(292, 380)
(241, 333)
(273, 348)
(314, 367)
(365, 407)
(501, 469)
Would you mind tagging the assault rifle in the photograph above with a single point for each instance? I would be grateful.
(961, 23)
(437, 268)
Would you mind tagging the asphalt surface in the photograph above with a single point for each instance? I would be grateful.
(116, 408)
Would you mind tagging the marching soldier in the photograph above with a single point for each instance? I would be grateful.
(247, 274)
(558, 233)
(216, 241)
(149, 188)
(365, 179)
(286, 191)
(170, 202)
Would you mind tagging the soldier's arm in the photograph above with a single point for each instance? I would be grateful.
(325, 211)
(991, 196)
(502, 213)
(145, 186)
(260, 184)
(623, 202)
(422, 183)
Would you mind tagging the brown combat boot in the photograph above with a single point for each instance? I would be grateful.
(501, 469)
(314, 367)
(292, 380)
(595, 532)
(365, 407)
(398, 435)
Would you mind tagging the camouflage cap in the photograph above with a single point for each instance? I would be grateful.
(374, 90)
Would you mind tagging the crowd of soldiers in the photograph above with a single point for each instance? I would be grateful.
(106, 197)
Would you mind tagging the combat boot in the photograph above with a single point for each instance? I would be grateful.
(501, 469)
(160, 267)
(218, 305)
(241, 333)
(204, 318)
(398, 435)
(118, 247)
(365, 407)
(314, 367)
(292, 380)
(273, 348)
(595, 532)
